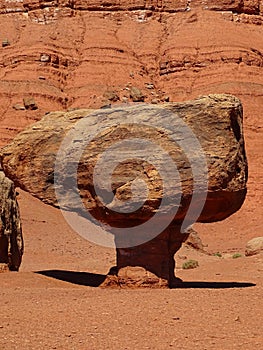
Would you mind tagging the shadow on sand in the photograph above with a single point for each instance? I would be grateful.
(80, 278)
(95, 280)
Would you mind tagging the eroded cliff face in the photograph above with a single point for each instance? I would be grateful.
(73, 54)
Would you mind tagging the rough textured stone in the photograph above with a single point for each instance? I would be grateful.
(29, 103)
(136, 94)
(254, 246)
(216, 120)
(194, 241)
(11, 240)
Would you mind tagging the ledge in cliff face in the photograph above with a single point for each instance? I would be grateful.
(253, 7)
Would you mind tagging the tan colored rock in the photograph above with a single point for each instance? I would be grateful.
(29, 160)
(136, 94)
(216, 121)
(5, 43)
(111, 95)
(29, 103)
(254, 246)
(11, 240)
(194, 241)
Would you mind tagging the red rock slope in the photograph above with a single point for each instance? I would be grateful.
(67, 54)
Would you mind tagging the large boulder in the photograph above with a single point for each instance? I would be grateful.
(11, 240)
(216, 121)
(190, 156)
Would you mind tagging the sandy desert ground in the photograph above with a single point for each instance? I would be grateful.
(54, 302)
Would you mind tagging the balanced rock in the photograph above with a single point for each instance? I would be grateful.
(146, 171)
(11, 240)
(254, 246)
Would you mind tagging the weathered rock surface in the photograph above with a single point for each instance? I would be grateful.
(254, 246)
(193, 240)
(216, 120)
(11, 240)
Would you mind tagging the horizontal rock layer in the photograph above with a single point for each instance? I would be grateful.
(51, 53)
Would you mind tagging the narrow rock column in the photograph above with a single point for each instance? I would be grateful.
(11, 239)
(149, 264)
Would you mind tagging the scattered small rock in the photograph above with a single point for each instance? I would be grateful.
(254, 246)
(149, 86)
(29, 103)
(194, 240)
(3, 267)
(155, 101)
(5, 43)
(166, 99)
(111, 95)
(45, 58)
(19, 107)
(136, 94)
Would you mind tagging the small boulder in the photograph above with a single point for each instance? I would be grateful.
(30, 103)
(45, 58)
(254, 246)
(194, 241)
(18, 107)
(111, 95)
(136, 95)
(5, 43)
(149, 86)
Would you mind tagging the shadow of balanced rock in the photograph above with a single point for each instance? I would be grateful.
(145, 173)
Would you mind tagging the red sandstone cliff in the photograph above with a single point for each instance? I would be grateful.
(67, 54)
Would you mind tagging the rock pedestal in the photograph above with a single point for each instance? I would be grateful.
(150, 264)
